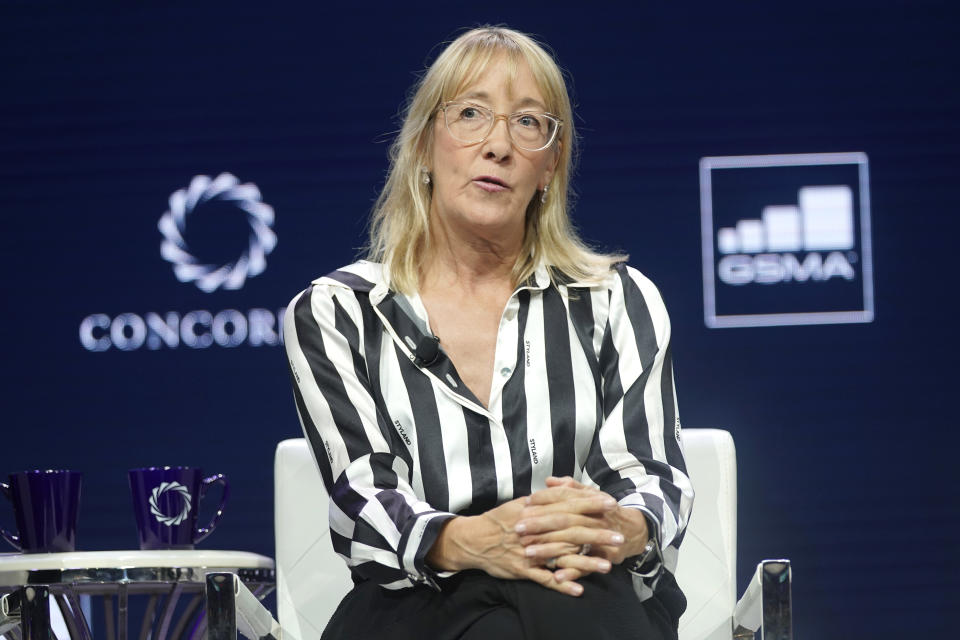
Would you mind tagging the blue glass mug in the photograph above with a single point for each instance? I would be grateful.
(166, 501)
(46, 507)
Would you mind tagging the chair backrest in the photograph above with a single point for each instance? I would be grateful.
(707, 567)
(312, 579)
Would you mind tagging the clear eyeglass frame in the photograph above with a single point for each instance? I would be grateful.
(493, 117)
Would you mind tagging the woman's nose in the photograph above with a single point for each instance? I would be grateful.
(498, 143)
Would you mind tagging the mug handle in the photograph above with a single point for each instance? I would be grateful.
(203, 532)
(9, 537)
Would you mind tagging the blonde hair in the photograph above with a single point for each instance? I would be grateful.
(400, 222)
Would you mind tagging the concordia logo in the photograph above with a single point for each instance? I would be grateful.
(200, 328)
(184, 202)
(157, 493)
(822, 221)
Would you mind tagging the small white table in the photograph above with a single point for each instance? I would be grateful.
(29, 579)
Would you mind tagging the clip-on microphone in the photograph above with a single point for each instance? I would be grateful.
(427, 351)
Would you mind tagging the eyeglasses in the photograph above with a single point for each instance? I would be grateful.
(529, 130)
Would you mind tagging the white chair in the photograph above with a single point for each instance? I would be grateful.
(312, 579)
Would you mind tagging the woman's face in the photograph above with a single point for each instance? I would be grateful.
(483, 189)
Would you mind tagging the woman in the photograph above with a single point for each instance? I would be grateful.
(490, 402)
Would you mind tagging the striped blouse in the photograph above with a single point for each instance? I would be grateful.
(582, 387)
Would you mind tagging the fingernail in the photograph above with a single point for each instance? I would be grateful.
(576, 589)
(603, 565)
(520, 528)
(560, 576)
(616, 538)
(530, 551)
(527, 501)
(609, 503)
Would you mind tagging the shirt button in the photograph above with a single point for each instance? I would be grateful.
(505, 371)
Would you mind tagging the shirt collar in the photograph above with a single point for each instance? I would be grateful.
(375, 278)
(540, 279)
(381, 286)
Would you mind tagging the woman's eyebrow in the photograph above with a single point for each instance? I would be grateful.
(475, 95)
(485, 97)
(531, 102)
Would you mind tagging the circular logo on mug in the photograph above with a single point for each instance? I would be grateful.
(163, 488)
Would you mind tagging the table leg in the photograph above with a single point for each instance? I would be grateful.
(187, 617)
(109, 620)
(35, 612)
(163, 620)
(73, 616)
(147, 621)
(199, 627)
(122, 612)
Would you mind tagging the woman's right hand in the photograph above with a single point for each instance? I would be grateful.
(490, 542)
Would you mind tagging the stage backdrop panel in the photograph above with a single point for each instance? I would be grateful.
(144, 148)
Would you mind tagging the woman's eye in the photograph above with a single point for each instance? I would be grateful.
(528, 121)
(469, 113)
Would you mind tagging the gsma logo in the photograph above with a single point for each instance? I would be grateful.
(786, 240)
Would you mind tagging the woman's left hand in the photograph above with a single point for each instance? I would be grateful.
(553, 520)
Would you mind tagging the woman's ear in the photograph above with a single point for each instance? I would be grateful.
(552, 166)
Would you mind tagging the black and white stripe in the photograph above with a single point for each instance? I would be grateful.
(583, 386)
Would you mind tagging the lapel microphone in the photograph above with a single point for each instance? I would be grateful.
(427, 351)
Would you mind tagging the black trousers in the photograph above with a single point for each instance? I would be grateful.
(475, 606)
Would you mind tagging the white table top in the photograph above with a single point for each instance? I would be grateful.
(133, 559)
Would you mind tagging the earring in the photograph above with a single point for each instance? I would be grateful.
(543, 196)
(425, 177)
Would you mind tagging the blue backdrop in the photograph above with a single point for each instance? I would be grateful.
(846, 433)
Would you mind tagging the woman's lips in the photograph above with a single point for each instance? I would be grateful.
(490, 184)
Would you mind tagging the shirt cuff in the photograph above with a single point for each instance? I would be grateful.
(416, 542)
(651, 567)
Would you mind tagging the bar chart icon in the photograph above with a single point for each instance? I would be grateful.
(786, 239)
(822, 220)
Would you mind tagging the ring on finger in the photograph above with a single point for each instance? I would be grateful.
(585, 549)
(551, 564)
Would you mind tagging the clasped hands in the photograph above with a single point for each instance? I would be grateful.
(577, 530)
(541, 537)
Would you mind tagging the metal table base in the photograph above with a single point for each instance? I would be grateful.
(173, 582)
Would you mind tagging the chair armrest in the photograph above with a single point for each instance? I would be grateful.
(766, 604)
(232, 607)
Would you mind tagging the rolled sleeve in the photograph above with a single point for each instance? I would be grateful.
(381, 528)
(637, 457)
